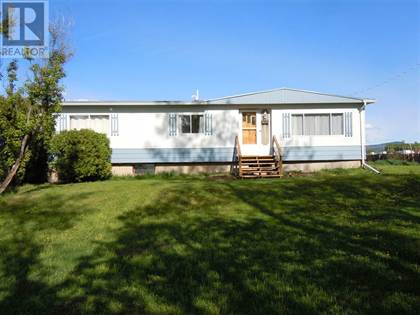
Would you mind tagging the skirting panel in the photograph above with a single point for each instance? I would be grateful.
(205, 155)
(172, 155)
(322, 153)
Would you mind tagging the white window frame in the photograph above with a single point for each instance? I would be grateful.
(202, 128)
(317, 113)
(108, 133)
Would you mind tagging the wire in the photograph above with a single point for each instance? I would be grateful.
(390, 79)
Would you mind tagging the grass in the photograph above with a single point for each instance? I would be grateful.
(339, 242)
(397, 167)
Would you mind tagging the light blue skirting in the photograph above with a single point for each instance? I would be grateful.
(205, 155)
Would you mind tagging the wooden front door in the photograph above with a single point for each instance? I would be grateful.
(249, 128)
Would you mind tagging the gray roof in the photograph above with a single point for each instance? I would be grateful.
(269, 97)
(286, 96)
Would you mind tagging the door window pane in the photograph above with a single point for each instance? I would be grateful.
(249, 120)
(253, 120)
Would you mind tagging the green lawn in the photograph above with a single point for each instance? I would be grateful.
(397, 167)
(341, 242)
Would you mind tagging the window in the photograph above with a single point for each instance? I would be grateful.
(337, 124)
(192, 123)
(297, 125)
(79, 122)
(317, 124)
(98, 123)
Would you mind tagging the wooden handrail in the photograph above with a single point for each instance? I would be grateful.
(237, 147)
(238, 157)
(278, 153)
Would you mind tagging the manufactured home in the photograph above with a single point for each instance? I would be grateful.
(299, 129)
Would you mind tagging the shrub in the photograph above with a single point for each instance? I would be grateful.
(82, 155)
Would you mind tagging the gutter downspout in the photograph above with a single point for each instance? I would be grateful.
(362, 140)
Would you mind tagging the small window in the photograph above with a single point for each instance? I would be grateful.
(192, 123)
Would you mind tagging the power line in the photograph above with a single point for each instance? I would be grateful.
(390, 79)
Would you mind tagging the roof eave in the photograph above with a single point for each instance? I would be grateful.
(369, 101)
(129, 103)
(200, 103)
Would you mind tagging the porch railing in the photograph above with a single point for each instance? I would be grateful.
(278, 154)
(237, 158)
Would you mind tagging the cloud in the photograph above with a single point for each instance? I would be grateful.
(374, 134)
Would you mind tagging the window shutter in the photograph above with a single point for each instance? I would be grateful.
(286, 125)
(348, 124)
(172, 124)
(114, 125)
(208, 124)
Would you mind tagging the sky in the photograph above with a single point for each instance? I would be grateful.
(166, 49)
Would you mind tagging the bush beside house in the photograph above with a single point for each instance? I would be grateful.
(81, 155)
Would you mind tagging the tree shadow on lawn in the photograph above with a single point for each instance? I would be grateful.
(22, 273)
(297, 247)
(367, 236)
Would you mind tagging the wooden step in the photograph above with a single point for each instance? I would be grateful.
(261, 176)
(259, 168)
(254, 167)
(257, 157)
(243, 171)
(250, 176)
(258, 161)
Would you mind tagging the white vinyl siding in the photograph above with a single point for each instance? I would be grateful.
(317, 124)
(98, 123)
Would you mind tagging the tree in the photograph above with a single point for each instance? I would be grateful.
(27, 112)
